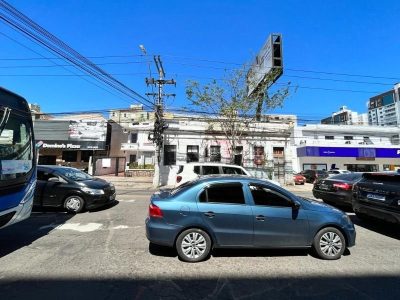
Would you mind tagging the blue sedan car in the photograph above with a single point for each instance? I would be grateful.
(244, 212)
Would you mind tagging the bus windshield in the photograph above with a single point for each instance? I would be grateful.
(16, 145)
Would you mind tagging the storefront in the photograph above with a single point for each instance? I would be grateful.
(357, 159)
(70, 142)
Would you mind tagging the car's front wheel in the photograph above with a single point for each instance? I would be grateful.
(193, 245)
(329, 243)
(74, 204)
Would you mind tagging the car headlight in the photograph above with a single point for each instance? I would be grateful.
(93, 191)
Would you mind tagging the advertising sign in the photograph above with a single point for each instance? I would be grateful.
(268, 60)
(366, 153)
(72, 134)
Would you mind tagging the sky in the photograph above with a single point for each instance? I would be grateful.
(201, 40)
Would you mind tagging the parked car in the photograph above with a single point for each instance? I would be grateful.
(377, 195)
(193, 171)
(336, 189)
(338, 171)
(312, 175)
(241, 211)
(71, 189)
(298, 178)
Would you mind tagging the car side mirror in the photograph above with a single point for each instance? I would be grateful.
(54, 179)
(296, 205)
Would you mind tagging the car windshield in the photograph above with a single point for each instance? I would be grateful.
(16, 145)
(74, 174)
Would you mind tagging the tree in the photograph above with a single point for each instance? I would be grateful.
(230, 110)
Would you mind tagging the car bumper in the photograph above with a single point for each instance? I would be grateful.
(93, 202)
(378, 213)
(351, 236)
(343, 199)
(161, 233)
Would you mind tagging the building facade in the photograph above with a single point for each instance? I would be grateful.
(355, 148)
(346, 117)
(384, 109)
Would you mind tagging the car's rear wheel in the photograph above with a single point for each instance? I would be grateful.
(329, 243)
(193, 245)
(74, 204)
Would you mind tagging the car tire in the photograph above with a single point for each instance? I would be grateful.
(329, 243)
(74, 204)
(193, 245)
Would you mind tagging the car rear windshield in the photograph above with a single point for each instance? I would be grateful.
(383, 177)
(183, 187)
(352, 177)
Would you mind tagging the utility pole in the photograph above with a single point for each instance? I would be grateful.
(159, 124)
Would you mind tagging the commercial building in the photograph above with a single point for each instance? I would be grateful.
(346, 117)
(355, 148)
(384, 109)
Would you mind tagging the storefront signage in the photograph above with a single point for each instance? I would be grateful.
(84, 145)
(365, 153)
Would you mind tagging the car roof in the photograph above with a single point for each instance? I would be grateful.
(233, 177)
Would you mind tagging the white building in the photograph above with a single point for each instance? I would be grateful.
(356, 148)
(346, 116)
(384, 109)
(264, 149)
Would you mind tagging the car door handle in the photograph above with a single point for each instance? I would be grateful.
(209, 214)
(260, 218)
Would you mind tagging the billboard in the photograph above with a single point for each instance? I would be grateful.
(267, 62)
(72, 134)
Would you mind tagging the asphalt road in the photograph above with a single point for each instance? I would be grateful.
(105, 255)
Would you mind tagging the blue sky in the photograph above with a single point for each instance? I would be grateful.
(352, 37)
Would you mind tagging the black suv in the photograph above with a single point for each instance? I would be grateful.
(377, 195)
(312, 175)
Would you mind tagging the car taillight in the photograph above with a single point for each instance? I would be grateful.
(178, 179)
(343, 186)
(155, 211)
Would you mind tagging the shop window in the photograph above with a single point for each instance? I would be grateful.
(258, 155)
(70, 156)
(192, 154)
(215, 153)
(169, 155)
(278, 151)
(85, 155)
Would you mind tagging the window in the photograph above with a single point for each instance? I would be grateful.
(278, 151)
(215, 153)
(134, 137)
(329, 137)
(196, 169)
(169, 155)
(264, 196)
(85, 155)
(132, 158)
(348, 138)
(70, 156)
(224, 194)
(44, 176)
(258, 155)
(209, 170)
(232, 170)
(192, 154)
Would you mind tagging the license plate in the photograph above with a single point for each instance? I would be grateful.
(376, 197)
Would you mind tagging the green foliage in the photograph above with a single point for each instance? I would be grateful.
(135, 165)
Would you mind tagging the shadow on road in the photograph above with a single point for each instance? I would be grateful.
(26, 232)
(367, 286)
(388, 229)
(105, 207)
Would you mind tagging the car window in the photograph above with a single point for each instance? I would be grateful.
(348, 176)
(262, 195)
(209, 170)
(232, 170)
(44, 175)
(223, 193)
(196, 169)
